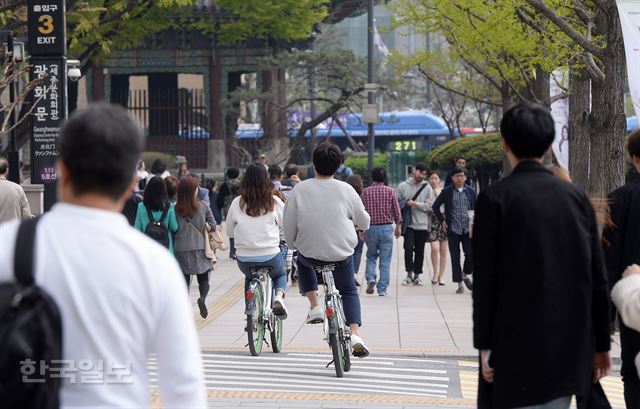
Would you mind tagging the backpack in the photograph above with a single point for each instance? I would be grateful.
(30, 334)
(156, 229)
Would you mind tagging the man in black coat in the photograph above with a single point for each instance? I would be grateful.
(541, 297)
(621, 242)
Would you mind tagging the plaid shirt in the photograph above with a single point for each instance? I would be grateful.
(459, 212)
(381, 203)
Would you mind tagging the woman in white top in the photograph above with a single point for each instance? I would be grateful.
(255, 222)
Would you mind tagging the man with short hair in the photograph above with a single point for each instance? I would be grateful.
(416, 193)
(291, 172)
(382, 205)
(621, 241)
(460, 162)
(118, 291)
(344, 171)
(540, 299)
(319, 219)
(13, 200)
(459, 201)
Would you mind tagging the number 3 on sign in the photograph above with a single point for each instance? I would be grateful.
(47, 24)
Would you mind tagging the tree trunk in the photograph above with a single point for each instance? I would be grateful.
(542, 87)
(608, 122)
(579, 146)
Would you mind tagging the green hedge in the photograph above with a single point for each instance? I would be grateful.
(359, 163)
(483, 154)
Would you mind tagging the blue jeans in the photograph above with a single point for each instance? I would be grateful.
(357, 256)
(278, 273)
(560, 403)
(344, 279)
(379, 241)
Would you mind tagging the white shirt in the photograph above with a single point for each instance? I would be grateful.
(121, 297)
(255, 236)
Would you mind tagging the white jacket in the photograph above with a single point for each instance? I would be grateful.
(626, 296)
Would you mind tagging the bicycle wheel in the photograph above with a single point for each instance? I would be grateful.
(276, 335)
(338, 354)
(346, 351)
(255, 323)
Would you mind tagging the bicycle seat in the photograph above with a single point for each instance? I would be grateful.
(319, 268)
(260, 270)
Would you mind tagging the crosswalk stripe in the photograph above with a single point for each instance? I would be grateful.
(416, 359)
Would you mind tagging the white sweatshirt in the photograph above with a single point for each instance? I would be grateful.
(319, 219)
(626, 296)
(255, 236)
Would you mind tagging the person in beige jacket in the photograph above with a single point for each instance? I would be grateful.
(13, 201)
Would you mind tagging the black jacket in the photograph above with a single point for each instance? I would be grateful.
(621, 243)
(446, 198)
(540, 292)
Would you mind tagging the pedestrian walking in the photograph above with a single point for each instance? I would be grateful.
(621, 241)
(343, 171)
(626, 297)
(415, 197)
(142, 174)
(172, 187)
(459, 201)
(13, 200)
(194, 220)
(358, 185)
(540, 299)
(318, 221)
(459, 162)
(158, 168)
(255, 221)
(114, 287)
(275, 174)
(382, 205)
(437, 237)
(291, 172)
(229, 190)
(156, 215)
(210, 184)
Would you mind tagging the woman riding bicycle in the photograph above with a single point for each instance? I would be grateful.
(255, 222)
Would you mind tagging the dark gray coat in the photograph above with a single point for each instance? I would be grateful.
(186, 238)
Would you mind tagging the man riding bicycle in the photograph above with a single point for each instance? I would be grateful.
(319, 219)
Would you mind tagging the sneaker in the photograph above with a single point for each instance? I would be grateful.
(358, 347)
(382, 293)
(315, 316)
(460, 289)
(279, 309)
(203, 308)
(418, 281)
(408, 280)
(370, 287)
(468, 282)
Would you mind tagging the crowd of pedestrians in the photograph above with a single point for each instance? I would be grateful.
(542, 278)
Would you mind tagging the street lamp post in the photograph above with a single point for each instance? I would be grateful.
(371, 135)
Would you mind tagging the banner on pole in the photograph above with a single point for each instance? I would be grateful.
(560, 114)
(629, 11)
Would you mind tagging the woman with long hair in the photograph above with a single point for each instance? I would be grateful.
(194, 219)
(255, 221)
(437, 237)
(155, 205)
(358, 185)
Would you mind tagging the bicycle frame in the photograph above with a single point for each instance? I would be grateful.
(333, 304)
(261, 278)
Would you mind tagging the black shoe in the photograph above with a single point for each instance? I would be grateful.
(203, 308)
(232, 256)
(468, 283)
(370, 286)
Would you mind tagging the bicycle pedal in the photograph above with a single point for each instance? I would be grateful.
(329, 364)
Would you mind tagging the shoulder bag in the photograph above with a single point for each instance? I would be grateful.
(406, 210)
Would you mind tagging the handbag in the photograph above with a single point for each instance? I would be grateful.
(406, 210)
(215, 238)
(208, 249)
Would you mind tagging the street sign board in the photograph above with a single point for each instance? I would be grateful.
(50, 105)
(46, 26)
(370, 113)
